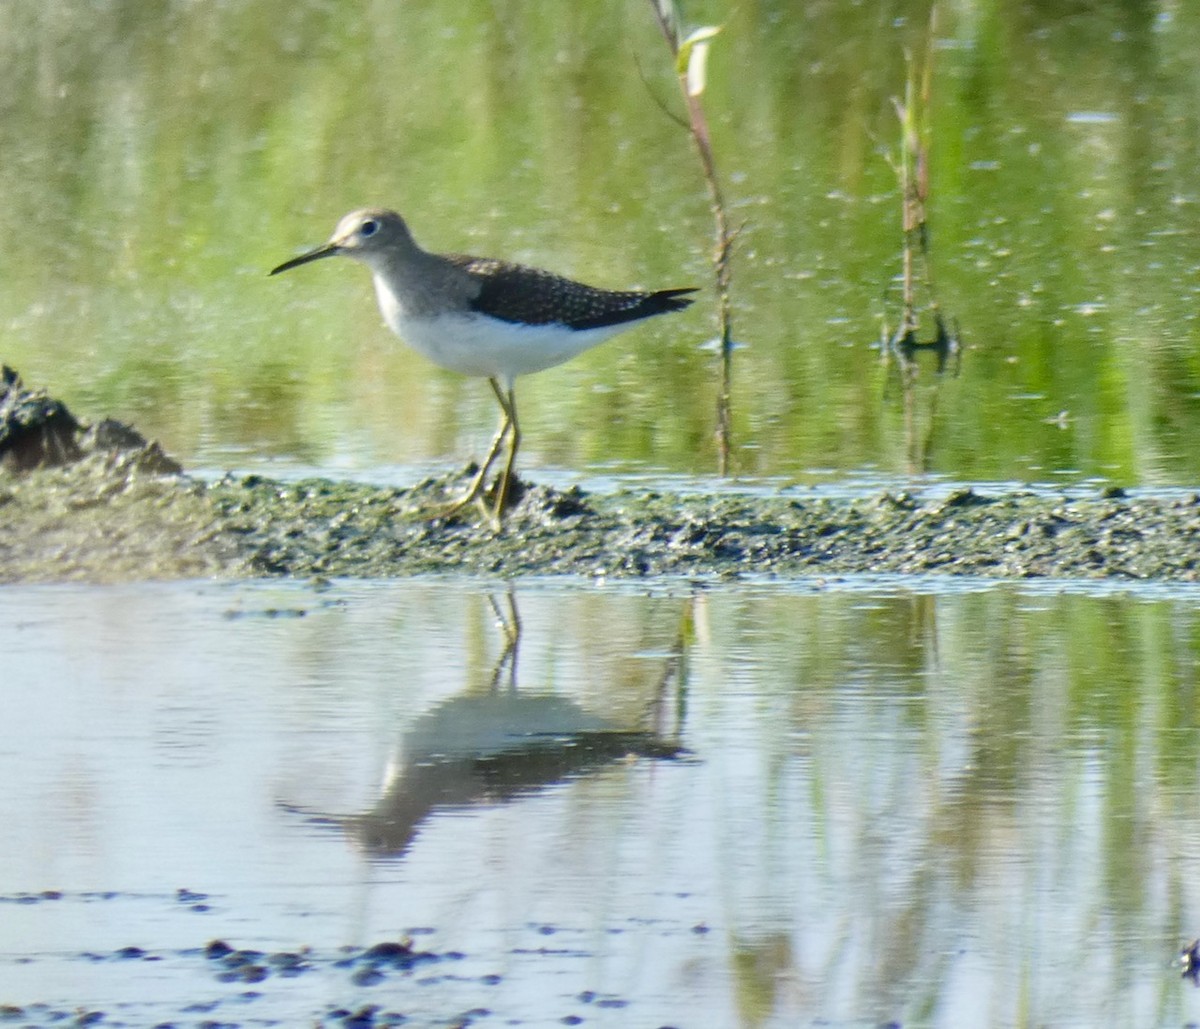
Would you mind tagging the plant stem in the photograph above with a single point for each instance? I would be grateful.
(723, 237)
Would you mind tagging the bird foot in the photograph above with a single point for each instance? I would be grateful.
(490, 504)
(456, 506)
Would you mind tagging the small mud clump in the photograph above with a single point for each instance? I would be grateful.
(37, 431)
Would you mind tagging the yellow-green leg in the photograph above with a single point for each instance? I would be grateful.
(508, 401)
(475, 490)
(477, 483)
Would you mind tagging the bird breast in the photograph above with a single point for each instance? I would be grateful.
(469, 343)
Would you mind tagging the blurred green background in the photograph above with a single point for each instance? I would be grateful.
(159, 156)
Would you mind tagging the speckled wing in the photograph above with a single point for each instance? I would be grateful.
(516, 293)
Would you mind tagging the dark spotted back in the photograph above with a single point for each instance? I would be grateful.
(516, 293)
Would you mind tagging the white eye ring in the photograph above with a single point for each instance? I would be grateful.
(369, 227)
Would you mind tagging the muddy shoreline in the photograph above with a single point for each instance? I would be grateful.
(120, 510)
(105, 520)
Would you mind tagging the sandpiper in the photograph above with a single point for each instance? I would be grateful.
(480, 316)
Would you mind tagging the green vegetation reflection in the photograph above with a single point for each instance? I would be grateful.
(159, 157)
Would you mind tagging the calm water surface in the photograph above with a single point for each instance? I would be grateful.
(160, 157)
(939, 806)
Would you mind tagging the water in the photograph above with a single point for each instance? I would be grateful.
(896, 801)
(937, 803)
(159, 158)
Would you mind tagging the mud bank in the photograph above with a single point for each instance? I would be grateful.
(119, 509)
(107, 519)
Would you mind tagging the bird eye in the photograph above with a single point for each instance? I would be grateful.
(369, 227)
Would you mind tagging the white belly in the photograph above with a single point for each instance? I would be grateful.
(474, 344)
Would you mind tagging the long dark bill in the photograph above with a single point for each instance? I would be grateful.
(324, 250)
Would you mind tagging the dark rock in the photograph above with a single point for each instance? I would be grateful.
(217, 949)
(36, 431)
(368, 976)
(1190, 959)
(389, 951)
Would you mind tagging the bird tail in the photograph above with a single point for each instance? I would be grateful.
(665, 300)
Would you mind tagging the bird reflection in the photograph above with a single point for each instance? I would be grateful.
(495, 746)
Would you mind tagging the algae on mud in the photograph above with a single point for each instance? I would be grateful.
(337, 529)
(102, 521)
(119, 510)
